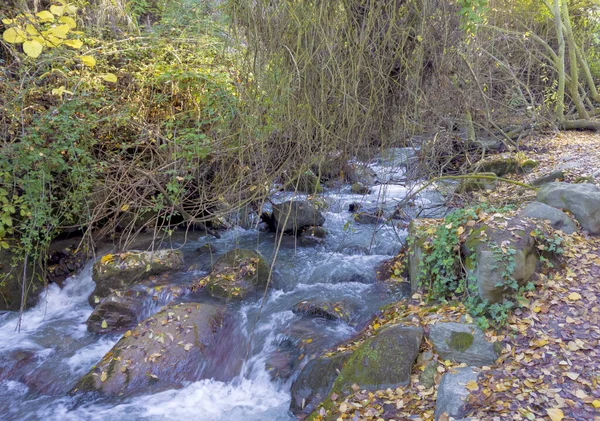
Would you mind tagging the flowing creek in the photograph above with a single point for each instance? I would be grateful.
(54, 348)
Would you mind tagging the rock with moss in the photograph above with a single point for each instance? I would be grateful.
(505, 164)
(120, 271)
(383, 361)
(500, 258)
(463, 343)
(326, 309)
(238, 274)
(453, 393)
(162, 352)
(469, 185)
(293, 216)
(582, 200)
(313, 236)
(315, 381)
(366, 217)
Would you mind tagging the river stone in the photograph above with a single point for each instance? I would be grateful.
(360, 188)
(162, 352)
(237, 274)
(119, 271)
(384, 361)
(315, 381)
(330, 310)
(453, 393)
(582, 200)
(558, 219)
(301, 214)
(482, 262)
(463, 343)
(116, 313)
(313, 236)
(469, 185)
(375, 217)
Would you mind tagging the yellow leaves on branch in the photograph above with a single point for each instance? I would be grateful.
(88, 61)
(48, 28)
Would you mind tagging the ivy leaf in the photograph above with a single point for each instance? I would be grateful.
(109, 77)
(13, 36)
(88, 61)
(45, 16)
(73, 43)
(33, 48)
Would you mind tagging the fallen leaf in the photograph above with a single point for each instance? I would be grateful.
(555, 414)
(574, 296)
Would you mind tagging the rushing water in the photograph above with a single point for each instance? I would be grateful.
(42, 362)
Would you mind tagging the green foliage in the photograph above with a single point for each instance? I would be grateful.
(472, 13)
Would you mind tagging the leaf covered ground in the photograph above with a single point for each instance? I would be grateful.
(549, 368)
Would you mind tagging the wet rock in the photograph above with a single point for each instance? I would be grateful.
(360, 188)
(236, 275)
(330, 310)
(163, 352)
(549, 178)
(558, 219)
(313, 236)
(383, 361)
(354, 207)
(315, 381)
(283, 361)
(463, 343)
(119, 271)
(582, 200)
(293, 216)
(453, 393)
(116, 313)
(483, 253)
(370, 217)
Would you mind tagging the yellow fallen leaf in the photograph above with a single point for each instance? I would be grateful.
(104, 325)
(125, 208)
(103, 376)
(574, 296)
(596, 403)
(472, 385)
(109, 77)
(555, 414)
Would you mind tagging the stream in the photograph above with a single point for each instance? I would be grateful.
(41, 363)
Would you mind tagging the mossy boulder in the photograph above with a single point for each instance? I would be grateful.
(162, 352)
(383, 361)
(558, 175)
(489, 249)
(313, 236)
(237, 274)
(293, 216)
(504, 164)
(469, 185)
(315, 381)
(120, 271)
(463, 343)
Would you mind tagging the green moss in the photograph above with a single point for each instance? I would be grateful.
(460, 341)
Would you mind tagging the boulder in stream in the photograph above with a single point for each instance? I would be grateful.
(119, 271)
(293, 216)
(163, 352)
(116, 313)
(582, 200)
(326, 309)
(236, 275)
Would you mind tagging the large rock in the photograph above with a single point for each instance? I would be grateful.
(237, 274)
(453, 393)
(294, 215)
(116, 313)
(558, 219)
(120, 271)
(582, 200)
(504, 164)
(315, 381)
(383, 361)
(463, 344)
(489, 249)
(162, 352)
(326, 309)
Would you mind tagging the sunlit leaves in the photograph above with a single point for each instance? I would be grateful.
(88, 61)
(68, 21)
(45, 16)
(13, 36)
(73, 43)
(109, 77)
(33, 48)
